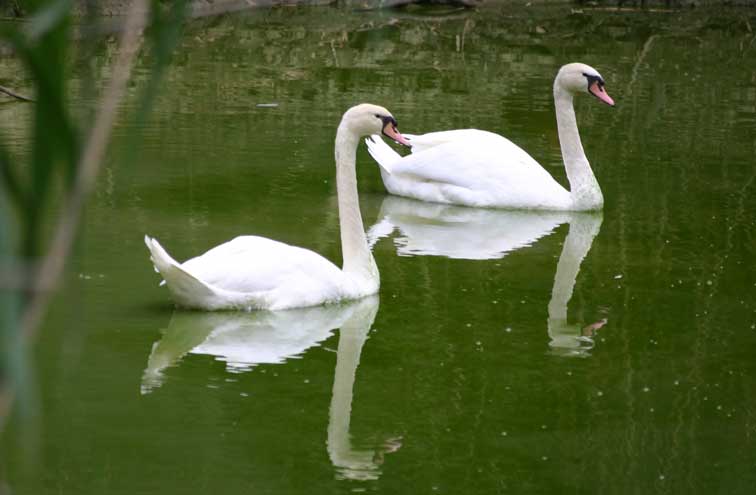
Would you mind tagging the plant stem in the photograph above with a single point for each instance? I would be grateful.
(13, 94)
(51, 268)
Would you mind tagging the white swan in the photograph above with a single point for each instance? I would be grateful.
(479, 168)
(251, 272)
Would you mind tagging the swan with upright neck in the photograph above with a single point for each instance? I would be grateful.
(479, 168)
(251, 272)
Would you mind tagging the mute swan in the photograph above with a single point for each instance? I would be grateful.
(479, 168)
(251, 272)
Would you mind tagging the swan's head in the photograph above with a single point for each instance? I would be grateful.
(581, 78)
(367, 119)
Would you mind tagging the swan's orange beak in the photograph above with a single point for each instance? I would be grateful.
(391, 132)
(597, 90)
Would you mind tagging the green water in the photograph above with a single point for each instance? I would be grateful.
(479, 368)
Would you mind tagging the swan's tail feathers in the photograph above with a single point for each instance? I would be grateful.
(186, 289)
(382, 152)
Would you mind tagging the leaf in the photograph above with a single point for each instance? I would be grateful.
(42, 48)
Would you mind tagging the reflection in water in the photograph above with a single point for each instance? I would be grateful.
(571, 339)
(476, 233)
(244, 340)
(352, 463)
(458, 231)
(675, 162)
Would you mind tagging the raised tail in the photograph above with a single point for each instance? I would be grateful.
(382, 152)
(186, 289)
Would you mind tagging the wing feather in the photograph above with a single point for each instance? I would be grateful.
(253, 264)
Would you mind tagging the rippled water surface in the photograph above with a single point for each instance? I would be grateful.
(507, 352)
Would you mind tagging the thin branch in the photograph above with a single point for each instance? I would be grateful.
(13, 94)
(52, 266)
(644, 52)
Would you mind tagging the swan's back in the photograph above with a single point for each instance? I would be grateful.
(252, 264)
(483, 169)
(424, 142)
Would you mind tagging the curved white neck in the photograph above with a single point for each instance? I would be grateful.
(584, 188)
(358, 260)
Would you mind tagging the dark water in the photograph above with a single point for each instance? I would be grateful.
(506, 353)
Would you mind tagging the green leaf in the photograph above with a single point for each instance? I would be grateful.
(55, 138)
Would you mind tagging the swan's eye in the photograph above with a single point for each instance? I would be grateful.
(594, 79)
(386, 120)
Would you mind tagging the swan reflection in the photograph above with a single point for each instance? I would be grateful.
(458, 231)
(572, 339)
(244, 340)
(351, 462)
(477, 234)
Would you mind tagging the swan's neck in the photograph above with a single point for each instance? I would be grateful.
(584, 188)
(358, 260)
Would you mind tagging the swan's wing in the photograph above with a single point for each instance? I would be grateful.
(250, 264)
(473, 162)
(424, 142)
(484, 169)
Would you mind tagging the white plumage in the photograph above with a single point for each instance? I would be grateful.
(471, 168)
(478, 168)
(251, 272)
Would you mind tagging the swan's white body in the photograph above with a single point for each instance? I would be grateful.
(251, 272)
(479, 168)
